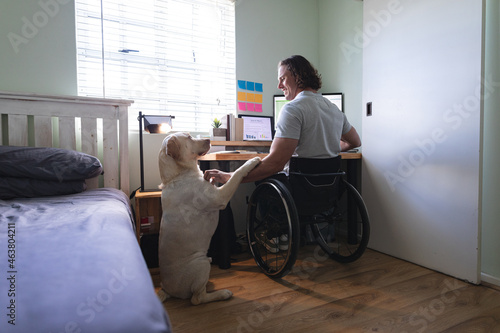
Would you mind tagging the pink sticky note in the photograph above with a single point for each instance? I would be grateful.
(242, 106)
(258, 107)
(250, 107)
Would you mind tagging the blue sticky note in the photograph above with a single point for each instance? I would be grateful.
(250, 86)
(242, 84)
(258, 87)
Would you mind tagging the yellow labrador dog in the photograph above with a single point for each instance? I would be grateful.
(190, 215)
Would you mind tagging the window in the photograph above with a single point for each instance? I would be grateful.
(172, 57)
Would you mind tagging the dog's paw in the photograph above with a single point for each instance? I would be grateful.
(225, 294)
(162, 295)
(204, 297)
(252, 163)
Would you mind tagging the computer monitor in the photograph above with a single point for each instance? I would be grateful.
(257, 128)
(335, 98)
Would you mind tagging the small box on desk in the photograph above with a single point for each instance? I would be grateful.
(235, 128)
(238, 129)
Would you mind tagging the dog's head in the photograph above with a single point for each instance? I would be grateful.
(180, 152)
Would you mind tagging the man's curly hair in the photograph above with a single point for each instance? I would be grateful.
(305, 74)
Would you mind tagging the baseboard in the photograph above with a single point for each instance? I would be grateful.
(490, 281)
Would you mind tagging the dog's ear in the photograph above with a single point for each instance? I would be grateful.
(173, 148)
(168, 167)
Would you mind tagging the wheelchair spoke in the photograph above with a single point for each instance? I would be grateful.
(272, 218)
(341, 227)
(345, 232)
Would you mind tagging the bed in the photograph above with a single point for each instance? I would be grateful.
(69, 258)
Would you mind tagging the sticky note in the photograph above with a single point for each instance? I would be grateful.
(242, 84)
(250, 97)
(258, 87)
(242, 96)
(250, 107)
(250, 86)
(258, 98)
(258, 107)
(242, 106)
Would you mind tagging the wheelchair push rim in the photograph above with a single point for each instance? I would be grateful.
(273, 228)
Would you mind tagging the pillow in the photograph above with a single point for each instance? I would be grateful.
(11, 187)
(52, 164)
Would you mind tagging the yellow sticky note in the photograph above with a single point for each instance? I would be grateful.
(258, 98)
(250, 97)
(242, 96)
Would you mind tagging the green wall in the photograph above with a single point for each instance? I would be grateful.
(340, 60)
(268, 31)
(38, 47)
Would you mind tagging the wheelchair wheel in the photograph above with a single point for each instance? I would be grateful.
(344, 234)
(273, 228)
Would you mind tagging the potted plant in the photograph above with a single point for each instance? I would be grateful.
(217, 131)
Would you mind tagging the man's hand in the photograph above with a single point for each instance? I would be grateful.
(216, 176)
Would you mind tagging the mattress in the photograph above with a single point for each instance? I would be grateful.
(72, 264)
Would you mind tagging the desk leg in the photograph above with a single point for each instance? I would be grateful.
(352, 178)
(223, 239)
(352, 173)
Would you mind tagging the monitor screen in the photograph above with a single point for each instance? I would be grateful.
(257, 128)
(335, 98)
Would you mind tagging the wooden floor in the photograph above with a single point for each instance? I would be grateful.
(377, 293)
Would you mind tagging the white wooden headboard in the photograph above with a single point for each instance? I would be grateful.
(71, 123)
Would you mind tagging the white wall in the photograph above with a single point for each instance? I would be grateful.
(38, 47)
(421, 153)
(490, 247)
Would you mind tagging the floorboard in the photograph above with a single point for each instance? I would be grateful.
(377, 293)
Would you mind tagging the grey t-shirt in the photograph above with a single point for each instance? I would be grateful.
(316, 122)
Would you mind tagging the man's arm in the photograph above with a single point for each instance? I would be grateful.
(350, 140)
(279, 154)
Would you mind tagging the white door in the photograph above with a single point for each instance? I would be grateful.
(421, 145)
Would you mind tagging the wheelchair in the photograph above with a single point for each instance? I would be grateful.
(315, 195)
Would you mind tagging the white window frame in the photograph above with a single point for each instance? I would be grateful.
(172, 57)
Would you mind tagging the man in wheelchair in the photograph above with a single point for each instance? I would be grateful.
(310, 133)
(308, 127)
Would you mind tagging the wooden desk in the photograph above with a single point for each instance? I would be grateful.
(238, 145)
(212, 157)
(248, 155)
(242, 143)
(352, 159)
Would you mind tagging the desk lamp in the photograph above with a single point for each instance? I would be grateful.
(152, 124)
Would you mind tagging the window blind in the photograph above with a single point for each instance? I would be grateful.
(172, 57)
